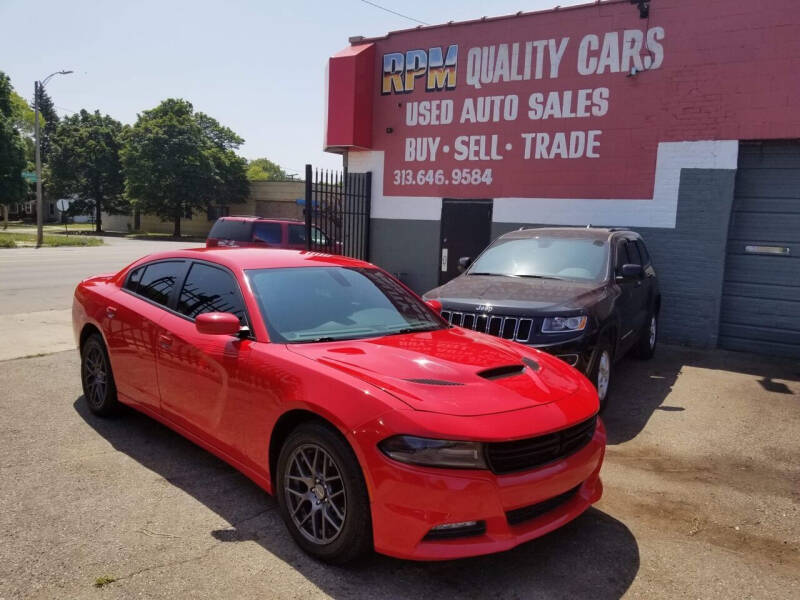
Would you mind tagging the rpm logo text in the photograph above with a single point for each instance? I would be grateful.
(434, 69)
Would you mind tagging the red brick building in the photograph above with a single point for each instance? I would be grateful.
(681, 122)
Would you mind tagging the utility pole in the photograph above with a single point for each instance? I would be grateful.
(38, 87)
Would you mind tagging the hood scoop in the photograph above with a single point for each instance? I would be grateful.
(501, 372)
(532, 364)
(433, 382)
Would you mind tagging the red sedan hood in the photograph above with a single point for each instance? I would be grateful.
(450, 371)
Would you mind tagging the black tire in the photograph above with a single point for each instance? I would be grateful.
(99, 389)
(313, 500)
(600, 365)
(648, 338)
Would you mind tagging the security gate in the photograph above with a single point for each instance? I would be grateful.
(761, 294)
(337, 212)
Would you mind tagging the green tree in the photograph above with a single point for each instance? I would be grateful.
(12, 152)
(85, 163)
(47, 127)
(177, 161)
(22, 117)
(263, 169)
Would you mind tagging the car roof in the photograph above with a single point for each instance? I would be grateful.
(258, 258)
(591, 233)
(253, 218)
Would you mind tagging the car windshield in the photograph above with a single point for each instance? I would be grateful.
(320, 304)
(545, 256)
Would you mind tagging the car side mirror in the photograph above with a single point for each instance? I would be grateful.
(217, 323)
(464, 262)
(630, 271)
(435, 305)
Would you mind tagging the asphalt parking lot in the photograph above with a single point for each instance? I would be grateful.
(36, 287)
(702, 489)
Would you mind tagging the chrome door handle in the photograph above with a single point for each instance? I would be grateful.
(165, 341)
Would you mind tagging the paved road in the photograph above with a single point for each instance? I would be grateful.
(702, 497)
(36, 288)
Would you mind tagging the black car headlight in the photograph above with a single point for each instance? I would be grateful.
(564, 324)
(448, 454)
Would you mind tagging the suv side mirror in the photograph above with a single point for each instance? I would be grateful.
(630, 271)
(217, 323)
(464, 262)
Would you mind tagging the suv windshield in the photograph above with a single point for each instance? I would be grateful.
(320, 304)
(546, 256)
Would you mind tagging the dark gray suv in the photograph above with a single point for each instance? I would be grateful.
(586, 295)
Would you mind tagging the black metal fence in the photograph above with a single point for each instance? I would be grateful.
(337, 212)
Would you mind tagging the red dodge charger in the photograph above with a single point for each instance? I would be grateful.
(334, 387)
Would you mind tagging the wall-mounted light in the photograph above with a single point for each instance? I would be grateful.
(644, 8)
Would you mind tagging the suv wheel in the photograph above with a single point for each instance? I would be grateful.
(600, 375)
(648, 338)
(322, 495)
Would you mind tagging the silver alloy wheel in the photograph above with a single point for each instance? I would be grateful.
(95, 376)
(652, 332)
(603, 374)
(314, 491)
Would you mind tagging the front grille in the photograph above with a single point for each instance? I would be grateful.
(527, 513)
(519, 455)
(510, 328)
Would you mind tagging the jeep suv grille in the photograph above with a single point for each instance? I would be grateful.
(518, 329)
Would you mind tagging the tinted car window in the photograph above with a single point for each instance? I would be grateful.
(231, 229)
(643, 251)
(133, 279)
(633, 253)
(269, 233)
(159, 280)
(209, 289)
(544, 256)
(297, 235)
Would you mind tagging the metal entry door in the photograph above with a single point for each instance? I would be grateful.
(466, 231)
(761, 294)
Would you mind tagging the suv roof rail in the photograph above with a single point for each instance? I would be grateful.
(619, 229)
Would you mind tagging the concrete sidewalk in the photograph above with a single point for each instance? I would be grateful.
(35, 333)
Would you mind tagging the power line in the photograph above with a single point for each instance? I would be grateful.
(394, 12)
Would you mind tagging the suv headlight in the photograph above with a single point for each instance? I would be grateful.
(448, 454)
(564, 324)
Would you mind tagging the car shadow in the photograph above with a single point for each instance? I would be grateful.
(594, 556)
(641, 387)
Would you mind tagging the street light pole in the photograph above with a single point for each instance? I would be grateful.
(38, 87)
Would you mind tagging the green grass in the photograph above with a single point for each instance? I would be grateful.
(104, 580)
(13, 240)
(51, 227)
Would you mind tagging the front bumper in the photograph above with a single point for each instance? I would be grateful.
(577, 352)
(408, 501)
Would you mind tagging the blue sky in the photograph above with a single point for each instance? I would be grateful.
(258, 67)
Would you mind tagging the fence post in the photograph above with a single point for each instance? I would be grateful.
(368, 211)
(309, 205)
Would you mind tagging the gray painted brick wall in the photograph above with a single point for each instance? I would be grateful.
(690, 259)
(408, 249)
